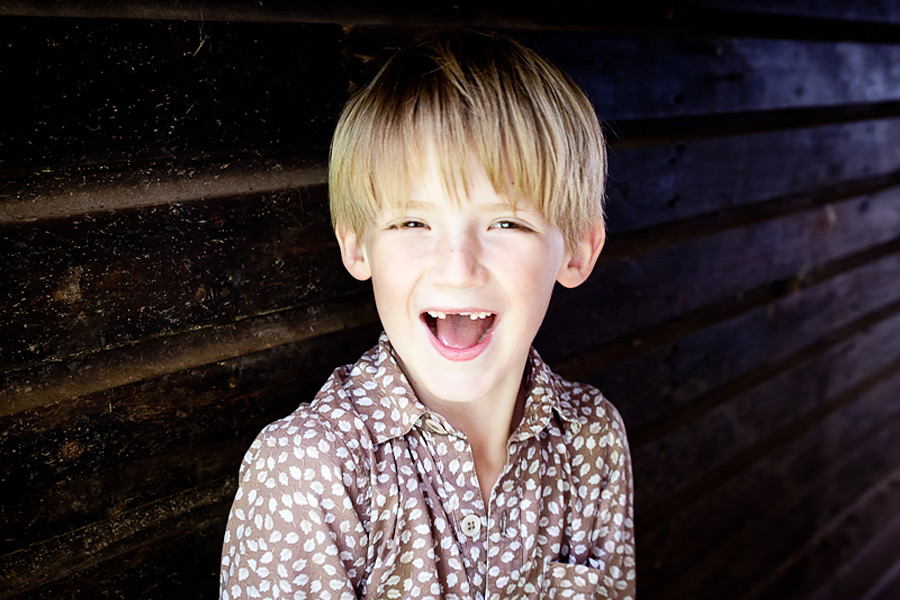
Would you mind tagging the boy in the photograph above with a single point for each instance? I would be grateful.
(449, 461)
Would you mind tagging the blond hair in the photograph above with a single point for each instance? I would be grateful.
(462, 95)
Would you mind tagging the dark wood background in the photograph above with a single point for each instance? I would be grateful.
(170, 283)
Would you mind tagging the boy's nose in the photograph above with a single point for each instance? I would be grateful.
(458, 262)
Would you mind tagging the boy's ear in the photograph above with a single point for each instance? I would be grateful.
(353, 253)
(580, 261)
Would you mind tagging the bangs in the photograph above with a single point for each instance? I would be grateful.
(459, 99)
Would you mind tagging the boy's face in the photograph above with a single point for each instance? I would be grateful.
(462, 287)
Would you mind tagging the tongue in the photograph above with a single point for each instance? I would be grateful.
(458, 331)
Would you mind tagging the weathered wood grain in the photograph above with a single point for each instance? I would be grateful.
(647, 289)
(769, 508)
(81, 190)
(102, 280)
(792, 530)
(849, 12)
(130, 553)
(135, 91)
(93, 457)
(668, 466)
(655, 131)
(46, 384)
(872, 573)
(99, 92)
(673, 76)
(660, 390)
(863, 524)
(869, 20)
(670, 183)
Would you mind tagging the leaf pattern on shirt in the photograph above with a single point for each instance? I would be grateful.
(365, 493)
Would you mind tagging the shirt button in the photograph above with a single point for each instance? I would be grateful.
(435, 427)
(471, 525)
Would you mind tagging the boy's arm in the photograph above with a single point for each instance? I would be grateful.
(294, 524)
(610, 568)
(614, 538)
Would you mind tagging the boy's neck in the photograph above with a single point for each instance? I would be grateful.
(487, 425)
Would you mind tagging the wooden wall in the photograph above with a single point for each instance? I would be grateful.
(170, 284)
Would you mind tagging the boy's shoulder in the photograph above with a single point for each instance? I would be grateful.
(578, 404)
(363, 404)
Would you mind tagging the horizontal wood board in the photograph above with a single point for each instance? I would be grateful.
(105, 454)
(185, 91)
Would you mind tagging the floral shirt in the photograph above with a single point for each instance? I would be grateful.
(365, 493)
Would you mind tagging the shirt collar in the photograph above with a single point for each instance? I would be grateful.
(546, 401)
(387, 404)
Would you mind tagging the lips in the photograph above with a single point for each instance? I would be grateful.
(461, 335)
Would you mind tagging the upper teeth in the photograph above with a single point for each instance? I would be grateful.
(472, 315)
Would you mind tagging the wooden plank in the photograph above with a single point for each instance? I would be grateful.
(750, 522)
(870, 522)
(177, 91)
(639, 341)
(181, 560)
(94, 557)
(858, 10)
(77, 191)
(674, 382)
(99, 92)
(654, 185)
(104, 280)
(654, 131)
(780, 539)
(719, 75)
(627, 295)
(665, 467)
(673, 17)
(872, 573)
(93, 457)
(53, 382)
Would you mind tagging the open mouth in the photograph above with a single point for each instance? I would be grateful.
(460, 330)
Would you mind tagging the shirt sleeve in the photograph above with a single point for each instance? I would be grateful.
(613, 551)
(295, 529)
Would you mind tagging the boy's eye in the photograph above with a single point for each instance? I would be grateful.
(407, 224)
(508, 225)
